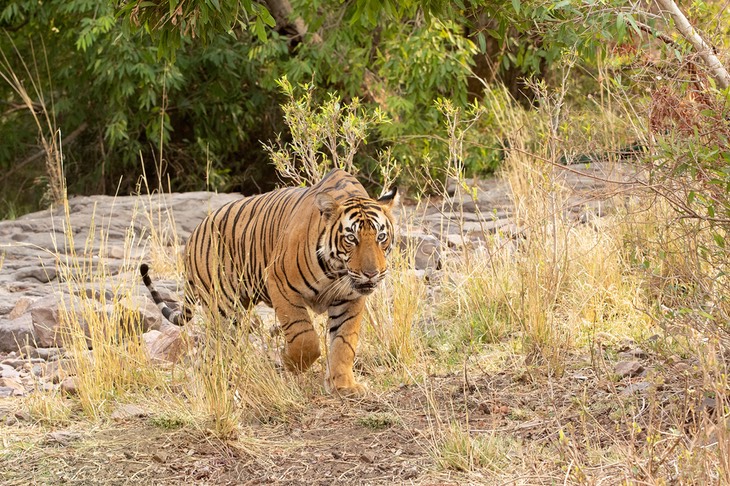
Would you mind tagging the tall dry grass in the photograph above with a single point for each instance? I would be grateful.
(43, 114)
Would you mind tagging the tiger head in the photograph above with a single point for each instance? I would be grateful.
(358, 238)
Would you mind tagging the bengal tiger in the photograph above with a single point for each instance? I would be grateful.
(322, 247)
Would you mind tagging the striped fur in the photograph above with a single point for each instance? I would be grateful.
(322, 248)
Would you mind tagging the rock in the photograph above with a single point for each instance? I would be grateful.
(7, 371)
(27, 351)
(15, 333)
(458, 241)
(41, 273)
(159, 457)
(143, 312)
(410, 473)
(23, 415)
(15, 363)
(21, 305)
(367, 457)
(48, 353)
(128, 411)
(69, 386)
(426, 248)
(45, 354)
(18, 390)
(50, 313)
(626, 369)
(639, 387)
(166, 346)
(633, 353)
(63, 437)
(55, 371)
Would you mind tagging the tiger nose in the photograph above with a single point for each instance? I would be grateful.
(370, 274)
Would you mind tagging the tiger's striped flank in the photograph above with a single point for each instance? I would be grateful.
(322, 247)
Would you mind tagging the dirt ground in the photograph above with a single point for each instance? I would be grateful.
(586, 427)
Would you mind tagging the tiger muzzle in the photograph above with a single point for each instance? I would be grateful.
(366, 283)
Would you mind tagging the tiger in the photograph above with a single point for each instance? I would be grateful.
(323, 247)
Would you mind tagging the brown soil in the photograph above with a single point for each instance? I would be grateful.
(576, 429)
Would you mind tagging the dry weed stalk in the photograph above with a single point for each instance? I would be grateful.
(48, 132)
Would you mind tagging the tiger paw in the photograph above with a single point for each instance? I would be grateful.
(345, 388)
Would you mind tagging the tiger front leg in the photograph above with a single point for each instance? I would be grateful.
(302, 342)
(344, 333)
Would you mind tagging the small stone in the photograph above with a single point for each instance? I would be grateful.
(63, 437)
(14, 384)
(37, 370)
(159, 457)
(22, 415)
(127, 411)
(628, 368)
(69, 386)
(5, 392)
(20, 307)
(165, 346)
(367, 457)
(410, 473)
(634, 353)
(27, 351)
(7, 371)
(640, 387)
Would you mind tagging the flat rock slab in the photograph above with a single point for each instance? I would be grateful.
(38, 260)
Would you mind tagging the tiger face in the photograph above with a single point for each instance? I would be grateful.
(359, 238)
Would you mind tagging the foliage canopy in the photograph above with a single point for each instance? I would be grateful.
(190, 88)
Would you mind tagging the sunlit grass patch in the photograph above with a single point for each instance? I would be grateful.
(459, 449)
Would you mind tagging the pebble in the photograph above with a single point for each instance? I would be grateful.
(634, 353)
(127, 411)
(639, 387)
(69, 386)
(367, 457)
(628, 368)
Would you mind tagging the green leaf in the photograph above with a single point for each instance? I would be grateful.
(268, 19)
(516, 4)
(482, 42)
(719, 240)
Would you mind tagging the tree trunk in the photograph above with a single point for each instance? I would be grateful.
(705, 51)
(282, 10)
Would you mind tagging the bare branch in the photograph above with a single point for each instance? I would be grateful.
(705, 51)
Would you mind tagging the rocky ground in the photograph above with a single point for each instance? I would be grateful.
(380, 439)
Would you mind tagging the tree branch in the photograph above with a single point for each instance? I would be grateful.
(28, 160)
(705, 51)
(659, 35)
(282, 10)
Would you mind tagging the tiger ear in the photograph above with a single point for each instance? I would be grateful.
(326, 204)
(389, 199)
